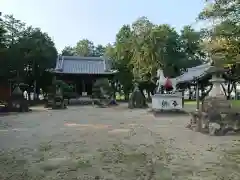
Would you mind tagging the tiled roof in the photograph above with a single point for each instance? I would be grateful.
(82, 65)
(195, 73)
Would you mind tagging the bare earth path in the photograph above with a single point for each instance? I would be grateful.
(111, 143)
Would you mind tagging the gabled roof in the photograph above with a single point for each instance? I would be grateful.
(195, 73)
(82, 65)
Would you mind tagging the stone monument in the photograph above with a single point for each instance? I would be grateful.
(137, 99)
(166, 100)
(55, 98)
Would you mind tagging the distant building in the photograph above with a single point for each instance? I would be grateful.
(82, 72)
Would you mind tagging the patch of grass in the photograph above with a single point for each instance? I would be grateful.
(190, 102)
(119, 96)
(235, 103)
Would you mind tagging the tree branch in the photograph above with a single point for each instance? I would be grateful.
(204, 94)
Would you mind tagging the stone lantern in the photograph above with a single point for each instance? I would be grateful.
(217, 90)
(216, 98)
(17, 101)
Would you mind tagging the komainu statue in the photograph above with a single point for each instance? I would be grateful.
(103, 93)
(137, 99)
(17, 101)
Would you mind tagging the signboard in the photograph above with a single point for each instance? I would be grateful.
(166, 102)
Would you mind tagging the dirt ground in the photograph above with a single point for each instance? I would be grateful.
(83, 142)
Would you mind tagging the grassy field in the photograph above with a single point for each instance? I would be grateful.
(235, 103)
(119, 97)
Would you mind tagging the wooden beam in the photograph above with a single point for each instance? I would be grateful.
(197, 95)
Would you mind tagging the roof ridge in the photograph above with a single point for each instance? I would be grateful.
(82, 65)
(83, 58)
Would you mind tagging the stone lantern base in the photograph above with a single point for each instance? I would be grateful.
(216, 117)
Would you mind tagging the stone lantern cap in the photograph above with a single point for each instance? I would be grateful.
(17, 91)
(216, 74)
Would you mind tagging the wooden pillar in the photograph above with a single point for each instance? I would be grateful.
(92, 81)
(197, 95)
(183, 98)
(83, 86)
(112, 81)
(10, 88)
(75, 87)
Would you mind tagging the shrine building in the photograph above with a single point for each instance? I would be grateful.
(82, 72)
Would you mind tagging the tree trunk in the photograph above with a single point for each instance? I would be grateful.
(149, 95)
(235, 91)
(193, 93)
(227, 91)
(126, 96)
(189, 93)
(231, 85)
(205, 92)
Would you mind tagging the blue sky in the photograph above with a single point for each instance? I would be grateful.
(68, 21)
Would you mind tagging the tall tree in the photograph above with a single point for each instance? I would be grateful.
(168, 49)
(123, 56)
(99, 50)
(14, 31)
(2, 37)
(14, 28)
(191, 42)
(85, 48)
(3, 49)
(68, 51)
(28, 51)
(225, 30)
(142, 28)
(224, 42)
(155, 46)
(39, 53)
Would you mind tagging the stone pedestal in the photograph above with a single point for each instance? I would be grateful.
(167, 102)
(217, 117)
(216, 99)
(217, 107)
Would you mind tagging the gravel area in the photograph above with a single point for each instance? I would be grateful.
(83, 142)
